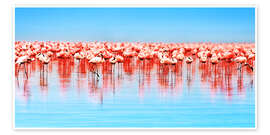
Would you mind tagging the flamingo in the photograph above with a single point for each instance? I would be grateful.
(119, 59)
(165, 60)
(203, 59)
(79, 56)
(189, 60)
(242, 60)
(214, 59)
(173, 61)
(97, 60)
(22, 60)
(44, 59)
(113, 60)
(180, 57)
(166, 53)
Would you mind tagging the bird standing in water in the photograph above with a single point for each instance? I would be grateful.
(97, 60)
(23, 60)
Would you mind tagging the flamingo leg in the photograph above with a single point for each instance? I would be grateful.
(78, 75)
(43, 71)
(113, 81)
(79, 66)
(25, 71)
(240, 67)
(18, 70)
(113, 69)
(96, 72)
(118, 70)
(181, 68)
(18, 83)
(18, 76)
(215, 69)
(88, 72)
(240, 70)
(121, 70)
(46, 74)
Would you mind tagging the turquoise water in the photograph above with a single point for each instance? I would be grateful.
(138, 95)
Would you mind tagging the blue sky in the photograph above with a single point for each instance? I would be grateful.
(136, 24)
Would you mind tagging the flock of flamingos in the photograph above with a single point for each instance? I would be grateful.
(167, 59)
(166, 53)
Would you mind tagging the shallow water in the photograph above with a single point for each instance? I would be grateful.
(65, 93)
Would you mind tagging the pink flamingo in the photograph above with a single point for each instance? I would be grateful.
(189, 60)
(97, 60)
(23, 60)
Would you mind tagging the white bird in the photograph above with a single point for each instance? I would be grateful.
(96, 60)
(44, 59)
(22, 60)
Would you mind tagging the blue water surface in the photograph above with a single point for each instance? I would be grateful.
(73, 102)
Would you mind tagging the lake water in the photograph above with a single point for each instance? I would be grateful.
(134, 94)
